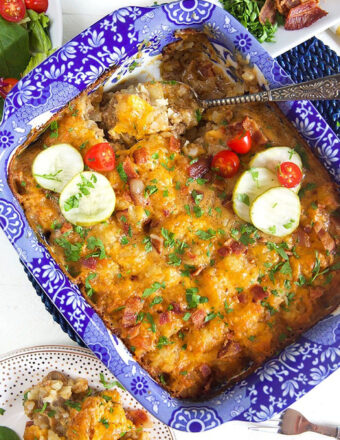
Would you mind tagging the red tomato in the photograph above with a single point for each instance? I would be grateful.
(241, 143)
(101, 157)
(226, 163)
(12, 10)
(37, 5)
(289, 174)
(6, 85)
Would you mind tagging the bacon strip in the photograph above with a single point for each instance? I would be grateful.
(140, 156)
(268, 12)
(232, 247)
(248, 124)
(129, 169)
(258, 293)
(132, 307)
(229, 348)
(198, 318)
(303, 15)
(327, 241)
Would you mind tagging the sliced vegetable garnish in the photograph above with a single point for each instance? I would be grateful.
(289, 174)
(87, 199)
(276, 211)
(37, 5)
(271, 158)
(54, 167)
(101, 157)
(12, 10)
(226, 163)
(241, 144)
(250, 185)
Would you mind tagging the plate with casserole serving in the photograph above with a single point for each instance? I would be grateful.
(186, 247)
(60, 392)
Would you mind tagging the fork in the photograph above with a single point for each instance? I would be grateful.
(291, 422)
(327, 87)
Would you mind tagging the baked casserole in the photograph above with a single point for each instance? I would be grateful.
(157, 232)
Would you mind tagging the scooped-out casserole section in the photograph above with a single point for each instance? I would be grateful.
(205, 238)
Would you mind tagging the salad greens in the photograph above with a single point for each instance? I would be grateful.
(23, 45)
(248, 12)
(8, 434)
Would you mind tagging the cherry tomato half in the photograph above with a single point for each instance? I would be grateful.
(37, 5)
(226, 163)
(289, 174)
(6, 85)
(241, 143)
(12, 10)
(100, 157)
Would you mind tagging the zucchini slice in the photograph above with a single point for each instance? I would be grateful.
(54, 167)
(87, 199)
(276, 211)
(251, 184)
(272, 157)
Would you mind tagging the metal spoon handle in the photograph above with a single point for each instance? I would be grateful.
(316, 89)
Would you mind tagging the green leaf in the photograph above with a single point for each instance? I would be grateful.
(308, 187)
(154, 287)
(122, 173)
(14, 51)
(244, 198)
(39, 41)
(88, 287)
(95, 244)
(8, 434)
(206, 235)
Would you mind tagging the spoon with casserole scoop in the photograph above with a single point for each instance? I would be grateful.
(326, 88)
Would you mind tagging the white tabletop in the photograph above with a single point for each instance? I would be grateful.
(24, 321)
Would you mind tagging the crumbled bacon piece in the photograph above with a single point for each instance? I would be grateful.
(133, 331)
(303, 15)
(316, 292)
(256, 134)
(65, 227)
(268, 12)
(139, 418)
(258, 293)
(166, 212)
(199, 168)
(198, 317)
(205, 370)
(164, 318)
(132, 307)
(303, 238)
(174, 144)
(90, 263)
(199, 193)
(176, 308)
(232, 246)
(129, 169)
(242, 298)
(140, 155)
(157, 242)
(229, 348)
(197, 271)
(326, 239)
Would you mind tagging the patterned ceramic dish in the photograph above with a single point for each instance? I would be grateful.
(113, 41)
(21, 369)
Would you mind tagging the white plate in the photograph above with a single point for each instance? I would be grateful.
(89, 11)
(56, 19)
(21, 369)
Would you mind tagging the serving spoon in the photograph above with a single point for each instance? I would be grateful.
(327, 87)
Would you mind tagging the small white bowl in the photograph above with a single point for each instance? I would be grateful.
(56, 23)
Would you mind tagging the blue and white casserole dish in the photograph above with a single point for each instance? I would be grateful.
(114, 41)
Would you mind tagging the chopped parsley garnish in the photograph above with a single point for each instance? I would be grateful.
(154, 287)
(88, 287)
(186, 316)
(106, 398)
(252, 338)
(270, 308)
(124, 240)
(105, 422)
(122, 173)
(149, 190)
(272, 229)
(97, 246)
(72, 250)
(54, 129)
(41, 410)
(147, 244)
(227, 308)
(193, 298)
(255, 176)
(109, 385)
(198, 197)
(198, 115)
(51, 413)
(278, 248)
(198, 211)
(244, 198)
(174, 260)
(210, 316)
(206, 235)
(50, 176)
(289, 224)
(286, 268)
(308, 187)
(151, 321)
(156, 300)
(84, 190)
(163, 341)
